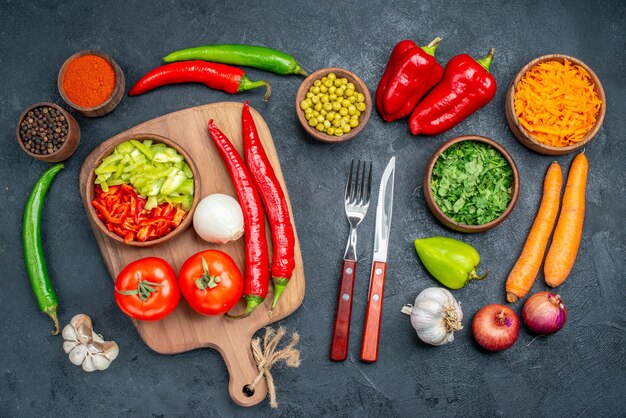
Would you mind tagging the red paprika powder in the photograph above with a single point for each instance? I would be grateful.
(89, 81)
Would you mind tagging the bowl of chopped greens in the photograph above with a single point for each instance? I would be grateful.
(143, 190)
(471, 184)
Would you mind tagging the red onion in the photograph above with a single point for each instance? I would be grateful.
(544, 313)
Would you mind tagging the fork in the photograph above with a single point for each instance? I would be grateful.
(357, 200)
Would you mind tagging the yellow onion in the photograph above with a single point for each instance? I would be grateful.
(544, 313)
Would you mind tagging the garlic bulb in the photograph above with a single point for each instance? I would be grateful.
(85, 347)
(435, 316)
(218, 219)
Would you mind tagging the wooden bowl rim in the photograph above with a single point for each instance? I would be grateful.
(90, 187)
(597, 84)
(361, 88)
(457, 226)
(70, 130)
(119, 78)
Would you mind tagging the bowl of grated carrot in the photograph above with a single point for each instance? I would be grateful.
(555, 105)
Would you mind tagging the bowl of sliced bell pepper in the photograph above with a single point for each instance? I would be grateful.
(145, 189)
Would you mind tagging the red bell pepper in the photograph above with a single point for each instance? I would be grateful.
(411, 71)
(466, 86)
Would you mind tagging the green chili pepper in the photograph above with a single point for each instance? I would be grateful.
(33, 251)
(260, 57)
(451, 262)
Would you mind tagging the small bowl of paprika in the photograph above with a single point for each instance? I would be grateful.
(91, 82)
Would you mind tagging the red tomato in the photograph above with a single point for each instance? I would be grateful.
(147, 289)
(211, 282)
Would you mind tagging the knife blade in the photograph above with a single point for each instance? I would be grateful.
(384, 209)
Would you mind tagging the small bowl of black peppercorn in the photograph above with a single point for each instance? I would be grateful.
(47, 132)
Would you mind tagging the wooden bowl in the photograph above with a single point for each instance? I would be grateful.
(451, 223)
(360, 88)
(109, 104)
(526, 139)
(69, 146)
(90, 191)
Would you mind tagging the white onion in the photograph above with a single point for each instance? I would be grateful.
(218, 219)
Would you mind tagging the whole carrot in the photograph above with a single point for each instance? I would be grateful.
(569, 228)
(523, 275)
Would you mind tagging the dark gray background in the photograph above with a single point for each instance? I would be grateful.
(577, 372)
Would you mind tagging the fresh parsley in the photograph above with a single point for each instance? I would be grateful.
(471, 183)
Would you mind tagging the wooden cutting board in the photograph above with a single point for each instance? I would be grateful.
(184, 329)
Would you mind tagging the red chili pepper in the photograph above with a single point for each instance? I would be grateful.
(257, 262)
(466, 86)
(283, 237)
(411, 71)
(213, 75)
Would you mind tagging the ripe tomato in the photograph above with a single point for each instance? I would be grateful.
(147, 289)
(211, 282)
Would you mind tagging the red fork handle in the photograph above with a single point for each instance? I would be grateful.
(341, 333)
(371, 331)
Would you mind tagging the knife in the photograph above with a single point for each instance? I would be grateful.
(371, 331)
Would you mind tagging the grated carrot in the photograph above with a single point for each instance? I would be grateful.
(556, 103)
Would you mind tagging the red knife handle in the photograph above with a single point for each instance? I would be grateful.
(371, 332)
(341, 333)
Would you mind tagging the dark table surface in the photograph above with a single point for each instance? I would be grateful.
(579, 371)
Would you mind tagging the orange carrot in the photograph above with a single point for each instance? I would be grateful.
(569, 228)
(523, 275)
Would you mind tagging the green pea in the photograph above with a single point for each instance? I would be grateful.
(345, 119)
(312, 121)
(323, 112)
(330, 131)
(332, 89)
(345, 103)
(344, 81)
(317, 83)
(337, 82)
(339, 92)
(360, 98)
(309, 116)
(338, 132)
(343, 111)
(315, 89)
(349, 85)
(323, 89)
(324, 79)
(361, 106)
(318, 106)
(324, 99)
(349, 92)
(320, 118)
(315, 99)
(328, 107)
(352, 99)
(330, 116)
(304, 105)
(332, 97)
(336, 106)
(327, 124)
(358, 113)
(354, 122)
(336, 123)
(328, 83)
(346, 129)
(309, 95)
(320, 127)
(351, 110)
(337, 116)
(331, 76)
(315, 113)
(308, 111)
(343, 123)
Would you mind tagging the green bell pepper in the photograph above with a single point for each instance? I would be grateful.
(453, 263)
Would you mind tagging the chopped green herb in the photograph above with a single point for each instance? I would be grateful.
(471, 183)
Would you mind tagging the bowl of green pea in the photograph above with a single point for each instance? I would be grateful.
(333, 105)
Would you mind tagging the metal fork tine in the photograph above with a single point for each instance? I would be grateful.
(363, 190)
(359, 182)
(369, 185)
(349, 184)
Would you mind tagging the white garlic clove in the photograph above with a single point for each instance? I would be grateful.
(111, 350)
(97, 337)
(81, 319)
(88, 365)
(100, 361)
(84, 334)
(69, 333)
(69, 346)
(78, 354)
